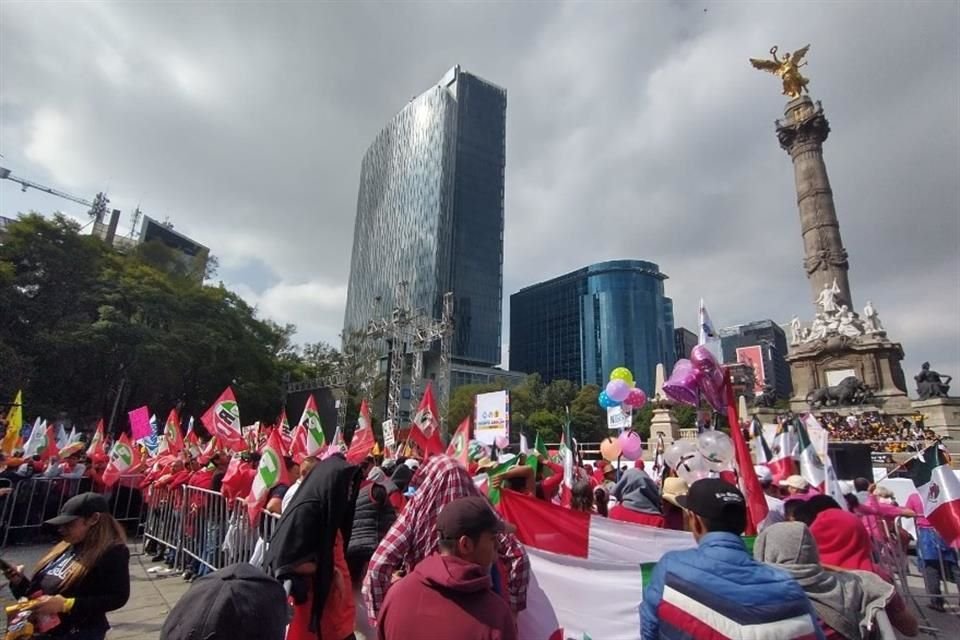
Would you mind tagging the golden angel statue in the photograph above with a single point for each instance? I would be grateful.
(788, 69)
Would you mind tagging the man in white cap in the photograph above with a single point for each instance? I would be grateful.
(774, 503)
(797, 485)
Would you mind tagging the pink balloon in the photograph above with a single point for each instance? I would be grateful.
(636, 398)
(630, 445)
(618, 390)
(683, 384)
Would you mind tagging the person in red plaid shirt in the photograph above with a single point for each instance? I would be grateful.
(414, 536)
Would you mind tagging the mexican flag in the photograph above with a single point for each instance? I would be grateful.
(172, 441)
(14, 424)
(286, 432)
(270, 472)
(587, 571)
(939, 490)
(761, 450)
(782, 465)
(425, 431)
(566, 459)
(42, 442)
(310, 420)
(459, 448)
(96, 443)
(123, 458)
(363, 440)
(831, 484)
(811, 466)
(223, 419)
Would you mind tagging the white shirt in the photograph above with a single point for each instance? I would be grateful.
(288, 496)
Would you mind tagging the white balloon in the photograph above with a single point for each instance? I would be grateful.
(717, 448)
(678, 451)
(693, 468)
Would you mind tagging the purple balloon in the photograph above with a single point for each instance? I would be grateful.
(630, 445)
(618, 390)
(683, 384)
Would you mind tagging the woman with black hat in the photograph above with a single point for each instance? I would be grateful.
(84, 576)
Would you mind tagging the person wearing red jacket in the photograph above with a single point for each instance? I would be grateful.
(451, 593)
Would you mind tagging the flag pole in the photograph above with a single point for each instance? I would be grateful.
(936, 443)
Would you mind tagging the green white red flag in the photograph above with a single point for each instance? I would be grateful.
(939, 490)
(123, 457)
(811, 466)
(286, 433)
(338, 441)
(783, 465)
(459, 448)
(761, 450)
(311, 421)
(222, 419)
(363, 439)
(97, 447)
(270, 472)
(192, 443)
(47, 446)
(172, 441)
(425, 431)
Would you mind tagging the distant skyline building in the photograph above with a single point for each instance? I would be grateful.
(684, 341)
(430, 213)
(581, 325)
(763, 344)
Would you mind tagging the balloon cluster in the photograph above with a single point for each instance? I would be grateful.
(622, 391)
(711, 453)
(700, 375)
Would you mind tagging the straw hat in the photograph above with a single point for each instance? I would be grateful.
(673, 487)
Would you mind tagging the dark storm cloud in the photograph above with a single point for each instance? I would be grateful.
(634, 131)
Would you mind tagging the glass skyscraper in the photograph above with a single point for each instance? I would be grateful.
(582, 325)
(430, 213)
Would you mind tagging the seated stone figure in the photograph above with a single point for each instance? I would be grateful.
(931, 384)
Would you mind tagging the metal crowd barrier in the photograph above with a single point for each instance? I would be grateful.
(126, 500)
(36, 500)
(201, 531)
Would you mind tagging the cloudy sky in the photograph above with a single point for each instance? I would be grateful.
(633, 131)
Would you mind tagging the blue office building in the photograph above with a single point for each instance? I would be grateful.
(582, 325)
(430, 213)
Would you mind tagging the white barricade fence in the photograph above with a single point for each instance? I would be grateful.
(34, 501)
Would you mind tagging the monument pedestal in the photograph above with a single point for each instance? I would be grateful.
(873, 359)
(942, 416)
(664, 423)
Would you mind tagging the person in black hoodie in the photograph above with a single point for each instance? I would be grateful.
(84, 576)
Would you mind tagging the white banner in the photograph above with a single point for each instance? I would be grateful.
(389, 438)
(617, 418)
(492, 416)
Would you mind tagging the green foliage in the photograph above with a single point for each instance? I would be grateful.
(81, 324)
(685, 415)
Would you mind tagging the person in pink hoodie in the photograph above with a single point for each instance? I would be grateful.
(450, 593)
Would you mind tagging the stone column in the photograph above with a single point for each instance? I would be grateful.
(802, 135)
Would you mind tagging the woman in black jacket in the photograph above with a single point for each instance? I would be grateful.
(372, 518)
(83, 577)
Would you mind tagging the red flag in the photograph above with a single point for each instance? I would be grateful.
(459, 448)
(363, 439)
(213, 446)
(338, 441)
(270, 472)
(425, 428)
(171, 433)
(223, 419)
(286, 433)
(749, 483)
(97, 447)
(123, 458)
(193, 444)
(298, 444)
(48, 447)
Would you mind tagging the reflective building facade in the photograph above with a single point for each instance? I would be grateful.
(430, 213)
(582, 325)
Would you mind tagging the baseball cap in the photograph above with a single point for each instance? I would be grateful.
(467, 517)
(83, 505)
(713, 499)
(239, 602)
(795, 482)
(763, 474)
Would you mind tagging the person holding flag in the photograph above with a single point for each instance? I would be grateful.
(937, 505)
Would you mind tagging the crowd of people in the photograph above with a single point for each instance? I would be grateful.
(388, 548)
(883, 433)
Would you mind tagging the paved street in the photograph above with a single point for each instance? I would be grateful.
(153, 595)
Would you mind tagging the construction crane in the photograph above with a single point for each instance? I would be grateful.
(98, 208)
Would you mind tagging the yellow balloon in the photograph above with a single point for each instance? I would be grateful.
(622, 373)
